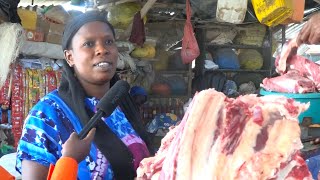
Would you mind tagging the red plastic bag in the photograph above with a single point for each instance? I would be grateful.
(190, 49)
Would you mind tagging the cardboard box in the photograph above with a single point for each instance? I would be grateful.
(34, 35)
(57, 14)
(43, 26)
(55, 33)
(54, 38)
(56, 28)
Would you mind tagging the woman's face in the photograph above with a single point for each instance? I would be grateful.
(93, 53)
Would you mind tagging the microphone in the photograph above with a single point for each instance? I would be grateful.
(106, 105)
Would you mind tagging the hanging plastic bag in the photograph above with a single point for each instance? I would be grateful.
(190, 49)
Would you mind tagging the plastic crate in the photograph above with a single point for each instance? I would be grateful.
(313, 98)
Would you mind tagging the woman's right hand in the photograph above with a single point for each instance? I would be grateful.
(76, 148)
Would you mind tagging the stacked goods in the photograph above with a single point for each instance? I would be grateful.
(5, 96)
(23, 90)
(17, 101)
(221, 138)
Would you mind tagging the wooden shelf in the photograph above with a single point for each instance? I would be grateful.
(173, 72)
(234, 46)
(206, 45)
(170, 96)
(211, 24)
(241, 70)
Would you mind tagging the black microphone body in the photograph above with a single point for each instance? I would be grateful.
(106, 105)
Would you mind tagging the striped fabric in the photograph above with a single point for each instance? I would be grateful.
(49, 124)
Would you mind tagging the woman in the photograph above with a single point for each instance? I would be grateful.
(88, 73)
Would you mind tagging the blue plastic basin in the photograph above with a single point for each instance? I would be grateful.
(313, 98)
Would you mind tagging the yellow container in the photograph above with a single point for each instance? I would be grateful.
(28, 19)
(272, 12)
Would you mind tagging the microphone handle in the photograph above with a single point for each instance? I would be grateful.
(91, 124)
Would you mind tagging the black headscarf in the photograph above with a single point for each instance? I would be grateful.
(73, 94)
(10, 8)
(75, 24)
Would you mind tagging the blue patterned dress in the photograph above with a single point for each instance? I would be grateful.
(50, 123)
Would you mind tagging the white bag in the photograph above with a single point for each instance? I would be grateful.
(231, 11)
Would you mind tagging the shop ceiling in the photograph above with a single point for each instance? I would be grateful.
(309, 3)
(311, 6)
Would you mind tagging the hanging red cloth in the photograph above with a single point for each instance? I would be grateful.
(190, 49)
(137, 33)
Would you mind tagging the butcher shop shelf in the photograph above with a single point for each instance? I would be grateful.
(169, 96)
(234, 46)
(173, 72)
(242, 70)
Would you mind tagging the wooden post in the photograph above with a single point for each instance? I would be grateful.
(199, 62)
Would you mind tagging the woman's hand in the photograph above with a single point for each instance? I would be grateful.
(76, 148)
(310, 33)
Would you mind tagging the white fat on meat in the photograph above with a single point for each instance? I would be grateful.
(184, 170)
(225, 139)
(287, 49)
(205, 135)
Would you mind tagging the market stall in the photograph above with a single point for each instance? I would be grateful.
(172, 54)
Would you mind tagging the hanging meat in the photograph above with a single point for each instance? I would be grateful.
(221, 138)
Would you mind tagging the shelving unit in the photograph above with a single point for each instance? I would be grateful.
(186, 73)
(173, 72)
(235, 46)
(242, 70)
(213, 78)
(172, 103)
(171, 96)
(204, 45)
